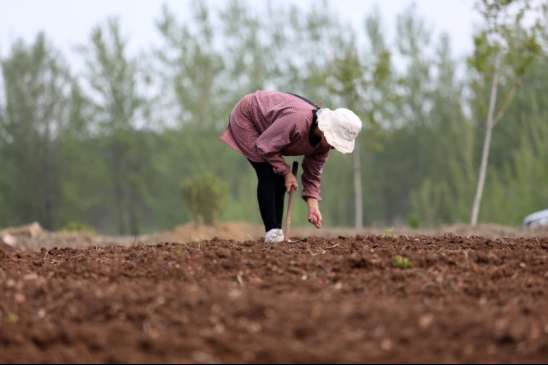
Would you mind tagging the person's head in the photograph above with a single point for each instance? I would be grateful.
(340, 128)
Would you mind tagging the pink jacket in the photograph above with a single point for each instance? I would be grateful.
(267, 125)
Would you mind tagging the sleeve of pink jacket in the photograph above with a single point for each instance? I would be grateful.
(273, 140)
(312, 173)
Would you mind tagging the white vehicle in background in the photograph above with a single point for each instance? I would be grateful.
(538, 219)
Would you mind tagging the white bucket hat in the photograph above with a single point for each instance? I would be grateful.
(340, 128)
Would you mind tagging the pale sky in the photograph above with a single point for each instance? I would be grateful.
(68, 23)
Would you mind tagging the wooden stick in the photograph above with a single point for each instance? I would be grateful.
(288, 215)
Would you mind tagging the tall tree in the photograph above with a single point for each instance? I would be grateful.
(113, 77)
(405, 159)
(36, 88)
(347, 83)
(248, 53)
(378, 106)
(445, 190)
(85, 182)
(190, 67)
(504, 50)
(349, 74)
(516, 187)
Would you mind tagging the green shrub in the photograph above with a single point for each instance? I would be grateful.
(204, 196)
(402, 262)
(77, 227)
(413, 221)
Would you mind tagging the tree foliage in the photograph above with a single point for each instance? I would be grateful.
(204, 197)
(109, 146)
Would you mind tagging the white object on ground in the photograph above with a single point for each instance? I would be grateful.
(8, 239)
(29, 230)
(274, 236)
(35, 229)
(538, 219)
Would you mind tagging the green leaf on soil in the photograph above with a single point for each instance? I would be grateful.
(402, 262)
(13, 318)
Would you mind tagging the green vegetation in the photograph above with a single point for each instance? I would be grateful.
(413, 222)
(204, 196)
(13, 318)
(402, 263)
(109, 145)
(76, 227)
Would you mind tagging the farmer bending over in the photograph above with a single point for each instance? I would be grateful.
(267, 125)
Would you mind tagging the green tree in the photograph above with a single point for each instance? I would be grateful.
(443, 194)
(517, 187)
(113, 77)
(404, 159)
(84, 173)
(190, 68)
(347, 83)
(32, 115)
(504, 50)
(205, 197)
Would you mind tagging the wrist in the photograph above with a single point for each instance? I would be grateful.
(312, 203)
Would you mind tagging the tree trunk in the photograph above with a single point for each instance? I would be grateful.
(46, 182)
(133, 217)
(486, 146)
(358, 197)
(118, 188)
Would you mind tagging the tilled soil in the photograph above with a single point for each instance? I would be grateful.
(466, 299)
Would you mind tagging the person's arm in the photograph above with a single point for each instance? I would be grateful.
(280, 134)
(312, 173)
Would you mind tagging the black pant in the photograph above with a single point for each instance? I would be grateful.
(270, 194)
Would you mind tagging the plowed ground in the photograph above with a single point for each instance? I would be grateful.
(466, 299)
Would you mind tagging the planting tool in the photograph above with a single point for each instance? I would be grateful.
(294, 170)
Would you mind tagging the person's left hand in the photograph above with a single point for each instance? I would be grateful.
(314, 214)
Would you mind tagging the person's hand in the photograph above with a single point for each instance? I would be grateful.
(291, 184)
(314, 214)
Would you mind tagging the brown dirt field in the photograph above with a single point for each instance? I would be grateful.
(38, 238)
(467, 299)
(189, 232)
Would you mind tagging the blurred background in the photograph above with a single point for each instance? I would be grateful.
(110, 111)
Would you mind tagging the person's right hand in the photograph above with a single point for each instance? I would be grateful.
(291, 184)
